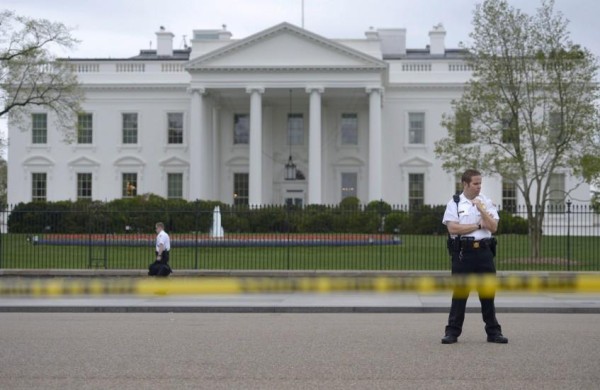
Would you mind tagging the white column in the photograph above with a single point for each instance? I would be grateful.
(375, 144)
(314, 146)
(216, 154)
(195, 147)
(255, 174)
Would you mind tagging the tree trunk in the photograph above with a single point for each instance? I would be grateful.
(536, 219)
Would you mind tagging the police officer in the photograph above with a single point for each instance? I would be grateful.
(161, 267)
(471, 218)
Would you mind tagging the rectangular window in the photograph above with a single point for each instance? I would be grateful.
(295, 129)
(555, 127)
(510, 134)
(349, 129)
(39, 128)
(175, 185)
(556, 192)
(240, 188)
(84, 128)
(509, 196)
(241, 129)
(416, 128)
(130, 128)
(84, 186)
(463, 127)
(349, 184)
(416, 190)
(458, 186)
(294, 198)
(175, 127)
(38, 186)
(129, 185)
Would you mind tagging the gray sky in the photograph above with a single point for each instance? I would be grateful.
(121, 28)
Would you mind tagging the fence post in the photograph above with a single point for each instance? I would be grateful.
(569, 235)
(287, 247)
(196, 238)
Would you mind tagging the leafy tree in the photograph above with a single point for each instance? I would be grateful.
(529, 110)
(32, 77)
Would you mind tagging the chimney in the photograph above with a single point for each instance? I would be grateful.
(436, 40)
(372, 34)
(164, 43)
(393, 41)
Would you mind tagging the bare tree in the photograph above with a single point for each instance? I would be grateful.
(32, 77)
(529, 110)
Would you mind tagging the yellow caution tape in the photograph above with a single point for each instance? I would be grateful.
(486, 285)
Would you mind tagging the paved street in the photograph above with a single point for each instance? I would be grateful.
(294, 351)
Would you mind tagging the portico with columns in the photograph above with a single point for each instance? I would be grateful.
(322, 79)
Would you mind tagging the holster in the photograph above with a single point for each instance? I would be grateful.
(453, 245)
(493, 245)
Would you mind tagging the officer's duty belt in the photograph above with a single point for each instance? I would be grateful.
(466, 243)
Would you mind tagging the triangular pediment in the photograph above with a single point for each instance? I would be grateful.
(84, 162)
(285, 46)
(416, 162)
(129, 161)
(173, 162)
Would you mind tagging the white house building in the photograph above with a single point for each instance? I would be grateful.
(221, 119)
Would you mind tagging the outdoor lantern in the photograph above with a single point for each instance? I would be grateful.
(290, 167)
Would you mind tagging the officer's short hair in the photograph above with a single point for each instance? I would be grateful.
(469, 174)
(160, 225)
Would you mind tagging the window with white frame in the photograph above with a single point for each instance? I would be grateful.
(84, 128)
(130, 128)
(349, 129)
(240, 188)
(509, 195)
(462, 127)
(295, 129)
(129, 185)
(39, 186)
(294, 197)
(416, 128)
(510, 133)
(349, 184)
(175, 185)
(556, 192)
(84, 186)
(175, 127)
(416, 190)
(39, 128)
(241, 129)
(458, 185)
(555, 127)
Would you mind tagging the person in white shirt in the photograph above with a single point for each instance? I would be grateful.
(471, 218)
(163, 245)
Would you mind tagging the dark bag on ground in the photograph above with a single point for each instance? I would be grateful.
(158, 268)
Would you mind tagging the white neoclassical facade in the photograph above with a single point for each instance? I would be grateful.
(219, 120)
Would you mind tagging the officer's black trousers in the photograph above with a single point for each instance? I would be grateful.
(474, 261)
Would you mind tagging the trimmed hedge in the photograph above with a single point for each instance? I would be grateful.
(139, 214)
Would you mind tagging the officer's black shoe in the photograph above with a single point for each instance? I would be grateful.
(497, 338)
(449, 339)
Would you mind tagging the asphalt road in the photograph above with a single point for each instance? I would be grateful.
(294, 351)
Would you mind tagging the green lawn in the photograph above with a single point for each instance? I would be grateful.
(414, 253)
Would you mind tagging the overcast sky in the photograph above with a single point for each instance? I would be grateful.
(121, 28)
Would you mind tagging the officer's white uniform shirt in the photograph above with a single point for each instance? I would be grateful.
(163, 238)
(468, 213)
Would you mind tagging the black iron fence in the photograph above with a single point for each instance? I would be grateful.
(217, 236)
